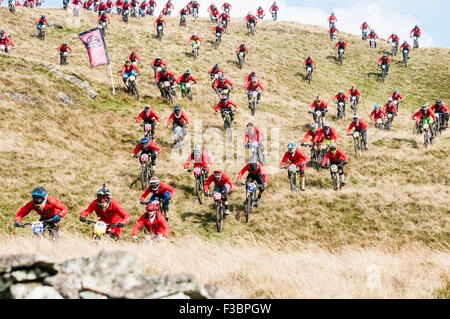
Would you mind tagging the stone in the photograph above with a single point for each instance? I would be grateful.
(24, 261)
(65, 98)
(73, 79)
(56, 25)
(215, 292)
(179, 295)
(28, 274)
(18, 96)
(34, 291)
(91, 295)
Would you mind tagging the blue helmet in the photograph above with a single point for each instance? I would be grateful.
(39, 195)
(144, 141)
(376, 106)
(177, 108)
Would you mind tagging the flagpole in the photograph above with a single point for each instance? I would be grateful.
(112, 80)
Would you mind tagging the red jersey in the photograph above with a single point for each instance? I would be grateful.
(51, 208)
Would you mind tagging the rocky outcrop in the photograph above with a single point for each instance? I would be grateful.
(18, 96)
(73, 79)
(110, 274)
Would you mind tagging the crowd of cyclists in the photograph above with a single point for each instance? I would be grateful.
(321, 136)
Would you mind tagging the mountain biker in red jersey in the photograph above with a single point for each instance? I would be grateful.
(214, 15)
(158, 63)
(309, 62)
(119, 5)
(153, 221)
(257, 174)
(160, 22)
(364, 28)
(226, 105)
(242, 48)
(296, 157)
(332, 19)
(223, 184)
(186, 77)
(47, 207)
(377, 114)
(249, 77)
(160, 191)
(162, 76)
(274, 7)
(374, 36)
(424, 113)
(361, 127)
(252, 134)
(341, 44)
(224, 18)
(103, 18)
(128, 69)
(341, 97)
(201, 159)
(5, 42)
(332, 31)
(179, 119)
(147, 147)
(251, 87)
(325, 135)
(195, 37)
(63, 48)
(168, 6)
(109, 211)
(133, 57)
(211, 7)
(385, 60)
(405, 46)
(102, 7)
(415, 32)
(390, 107)
(219, 29)
(41, 21)
(336, 156)
(260, 13)
(394, 37)
(143, 7)
(318, 105)
(152, 3)
(214, 72)
(397, 96)
(312, 132)
(249, 19)
(226, 7)
(354, 93)
(149, 116)
(222, 83)
(442, 109)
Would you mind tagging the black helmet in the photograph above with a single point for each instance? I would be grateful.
(438, 101)
(164, 70)
(103, 196)
(42, 16)
(253, 165)
(216, 66)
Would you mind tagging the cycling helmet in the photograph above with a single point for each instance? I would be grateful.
(42, 16)
(242, 43)
(390, 100)
(152, 207)
(376, 106)
(147, 108)
(65, 43)
(249, 124)
(332, 147)
(39, 195)
(253, 165)
(144, 142)
(216, 67)
(187, 72)
(103, 196)
(163, 70)
(158, 58)
(133, 53)
(218, 174)
(195, 35)
(223, 99)
(222, 78)
(127, 62)
(309, 57)
(396, 91)
(341, 40)
(353, 86)
(341, 91)
(197, 149)
(385, 55)
(313, 127)
(425, 106)
(372, 31)
(356, 118)
(291, 147)
(405, 42)
(326, 125)
(154, 183)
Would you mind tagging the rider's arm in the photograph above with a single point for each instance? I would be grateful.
(207, 183)
(188, 161)
(89, 210)
(138, 224)
(115, 205)
(137, 149)
(284, 160)
(170, 119)
(139, 118)
(350, 127)
(242, 172)
(63, 210)
(25, 210)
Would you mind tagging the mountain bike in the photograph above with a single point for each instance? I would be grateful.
(199, 180)
(132, 86)
(294, 177)
(146, 170)
(220, 209)
(250, 200)
(101, 229)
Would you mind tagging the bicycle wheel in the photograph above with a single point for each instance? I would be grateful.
(293, 182)
(335, 182)
(199, 190)
(144, 178)
(219, 219)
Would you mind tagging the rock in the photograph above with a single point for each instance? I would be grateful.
(65, 98)
(56, 25)
(34, 291)
(18, 96)
(73, 79)
(91, 295)
(215, 292)
(28, 274)
(25, 261)
(179, 295)
(5, 282)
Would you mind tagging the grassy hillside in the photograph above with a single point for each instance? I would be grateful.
(396, 194)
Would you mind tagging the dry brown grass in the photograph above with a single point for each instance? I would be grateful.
(396, 195)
